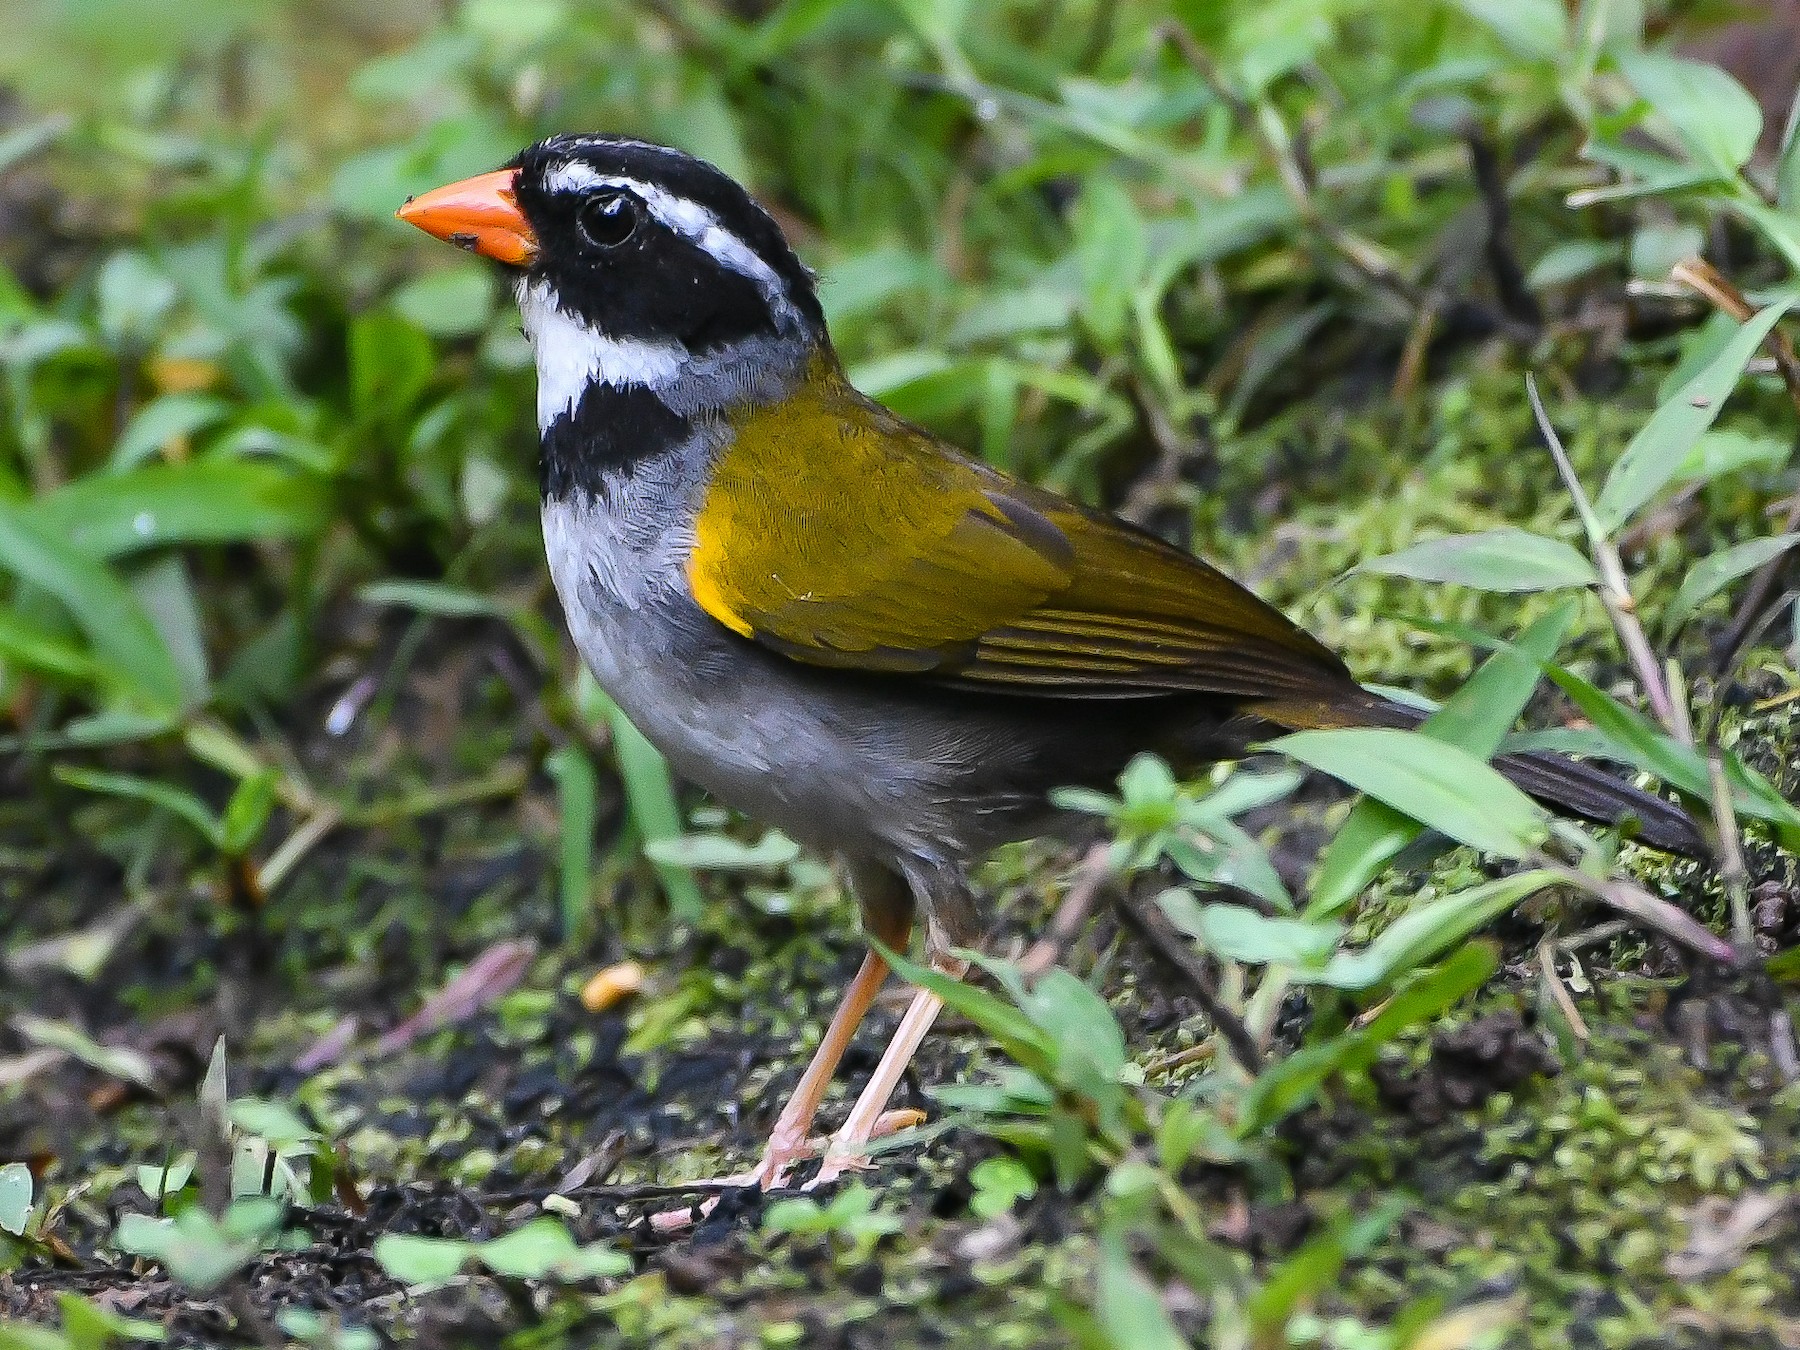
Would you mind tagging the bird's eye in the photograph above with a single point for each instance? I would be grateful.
(608, 219)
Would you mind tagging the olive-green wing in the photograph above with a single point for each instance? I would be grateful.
(838, 535)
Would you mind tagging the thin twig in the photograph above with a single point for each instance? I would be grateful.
(1149, 923)
(1071, 914)
(1517, 302)
(1781, 1046)
(1731, 853)
(1615, 592)
(505, 780)
(296, 846)
(1412, 356)
(1649, 910)
(1559, 993)
(1587, 937)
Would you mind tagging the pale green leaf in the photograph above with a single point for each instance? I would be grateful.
(1493, 560)
(1424, 933)
(15, 1197)
(121, 634)
(1661, 446)
(1713, 116)
(1716, 571)
(1538, 29)
(1237, 933)
(416, 1260)
(1437, 784)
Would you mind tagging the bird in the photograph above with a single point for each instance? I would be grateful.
(833, 620)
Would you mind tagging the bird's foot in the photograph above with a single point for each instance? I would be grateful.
(842, 1155)
(769, 1174)
(845, 1154)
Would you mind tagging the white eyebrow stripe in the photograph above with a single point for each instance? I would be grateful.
(572, 357)
(688, 219)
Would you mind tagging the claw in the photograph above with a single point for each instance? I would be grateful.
(839, 1161)
(770, 1174)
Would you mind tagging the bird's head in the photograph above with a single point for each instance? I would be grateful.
(637, 267)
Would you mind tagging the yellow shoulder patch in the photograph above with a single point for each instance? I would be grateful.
(835, 533)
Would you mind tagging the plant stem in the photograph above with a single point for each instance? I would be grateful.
(1731, 853)
(1169, 944)
(1652, 911)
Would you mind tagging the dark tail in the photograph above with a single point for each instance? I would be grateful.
(1593, 794)
(1570, 786)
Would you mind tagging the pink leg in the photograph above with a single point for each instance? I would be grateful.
(849, 1145)
(788, 1140)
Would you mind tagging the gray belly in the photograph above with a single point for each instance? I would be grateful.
(837, 762)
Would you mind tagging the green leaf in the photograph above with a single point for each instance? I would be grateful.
(1236, 933)
(1436, 784)
(274, 1121)
(1088, 1043)
(1711, 114)
(1538, 29)
(1635, 740)
(577, 796)
(1655, 249)
(161, 1182)
(1371, 837)
(88, 1326)
(1717, 453)
(162, 587)
(1570, 260)
(177, 801)
(116, 1061)
(1787, 167)
(1128, 1306)
(15, 1197)
(1315, 1268)
(374, 183)
(452, 301)
(1291, 1083)
(421, 1260)
(35, 647)
(1716, 571)
(543, 1249)
(122, 636)
(1431, 929)
(197, 1249)
(722, 853)
(999, 1184)
(132, 295)
(21, 142)
(435, 598)
(391, 363)
(1493, 560)
(109, 515)
(1477, 718)
(1111, 247)
(1018, 1036)
(1660, 447)
(164, 420)
(248, 812)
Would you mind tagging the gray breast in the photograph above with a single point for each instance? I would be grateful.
(827, 758)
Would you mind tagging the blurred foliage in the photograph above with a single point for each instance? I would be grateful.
(1262, 274)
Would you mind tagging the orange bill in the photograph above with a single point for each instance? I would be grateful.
(479, 214)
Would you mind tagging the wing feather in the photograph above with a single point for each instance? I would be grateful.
(941, 567)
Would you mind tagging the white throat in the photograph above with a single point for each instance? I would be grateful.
(571, 356)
